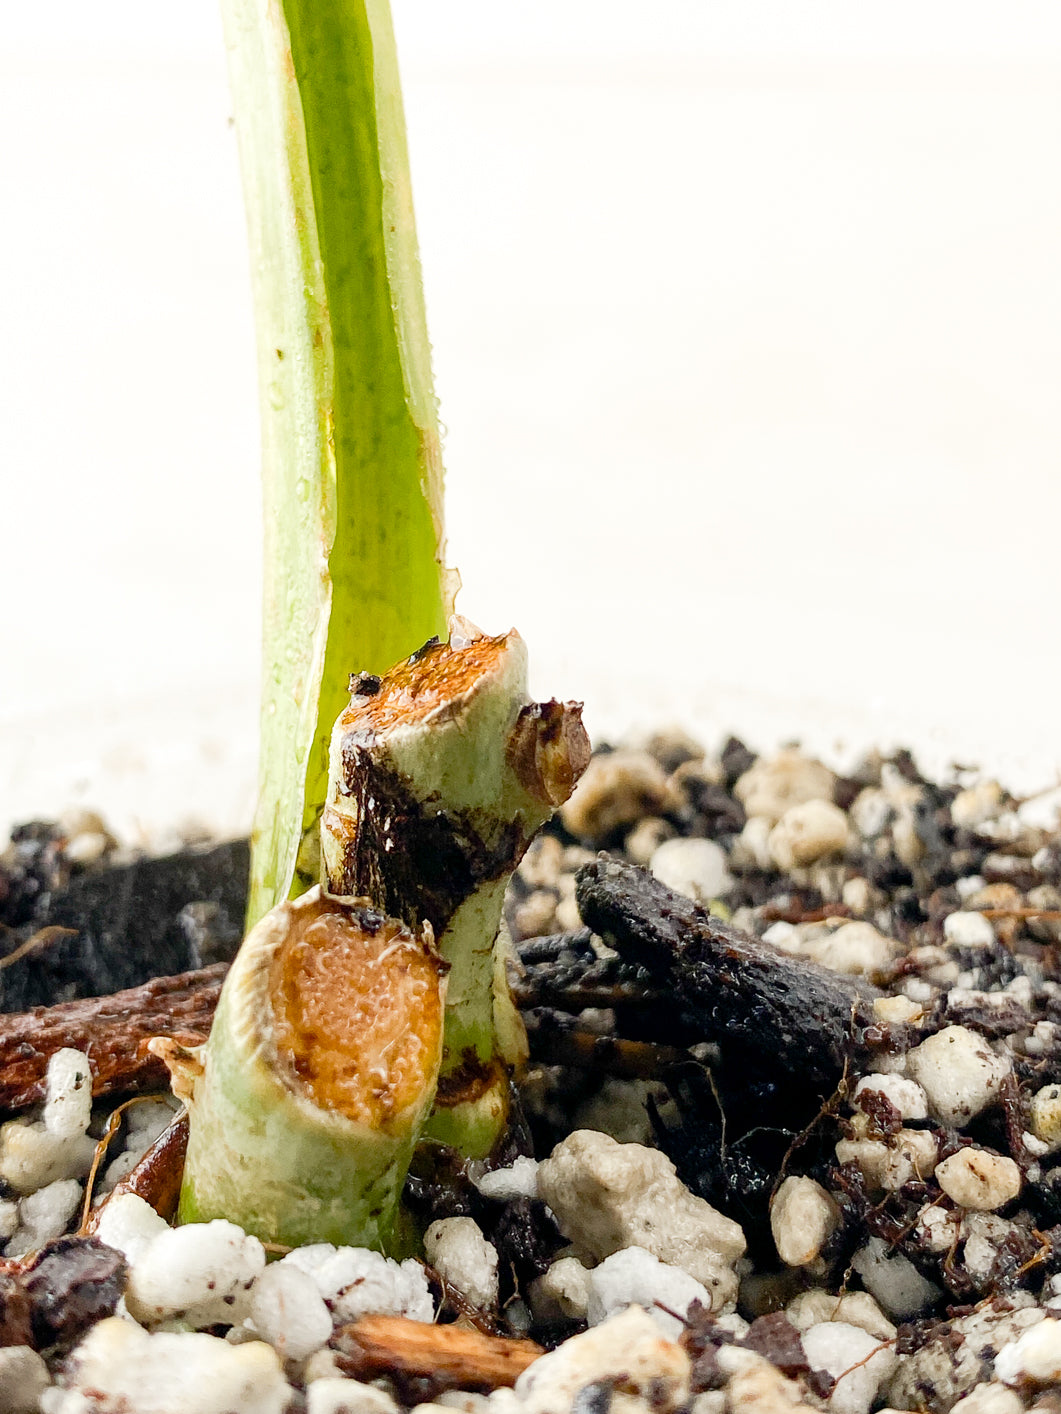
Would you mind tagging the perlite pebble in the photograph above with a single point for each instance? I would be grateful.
(856, 948)
(754, 1384)
(856, 1308)
(616, 789)
(200, 1272)
(802, 1219)
(606, 1196)
(971, 807)
(129, 1224)
(459, 1252)
(697, 869)
(654, 1368)
(1035, 1355)
(984, 1236)
(23, 1379)
(1044, 1116)
(333, 1395)
(43, 1216)
(893, 1281)
(31, 1155)
(773, 785)
(906, 1095)
(68, 1096)
(977, 1179)
(287, 1310)
(635, 1276)
(989, 1398)
(911, 1153)
(968, 930)
(959, 1072)
(858, 1362)
(807, 833)
(953, 1360)
(561, 1292)
(356, 1282)
(519, 1180)
(118, 1366)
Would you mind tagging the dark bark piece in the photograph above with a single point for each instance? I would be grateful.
(112, 1031)
(131, 923)
(424, 1360)
(157, 1175)
(755, 1000)
(72, 1283)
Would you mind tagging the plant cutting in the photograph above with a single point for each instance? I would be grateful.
(351, 461)
(307, 1101)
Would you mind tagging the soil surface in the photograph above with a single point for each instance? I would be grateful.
(834, 1005)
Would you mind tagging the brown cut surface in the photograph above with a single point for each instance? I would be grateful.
(438, 674)
(358, 1010)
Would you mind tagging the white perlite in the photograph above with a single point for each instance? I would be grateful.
(519, 1180)
(911, 1153)
(856, 948)
(755, 1384)
(959, 1072)
(774, 784)
(68, 1097)
(977, 1179)
(858, 1361)
(286, 1310)
(335, 1395)
(906, 1095)
(201, 1272)
(1035, 1355)
(129, 1224)
(808, 832)
(1044, 1114)
(23, 1379)
(562, 1291)
(802, 1219)
(607, 1195)
(634, 1277)
(990, 1398)
(695, 868)
(459, 1252)
(968, 930)
(855, 1308)
(356, 1282)
(118, 1366)
(893, 1280)
(44, 1215)
(653, 1367)
(615, 790)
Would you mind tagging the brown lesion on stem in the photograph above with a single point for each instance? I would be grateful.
(469, 1080)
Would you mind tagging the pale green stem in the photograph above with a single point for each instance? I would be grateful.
(352, 469)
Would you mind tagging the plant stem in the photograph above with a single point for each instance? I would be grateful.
(351, 455)
(442, 773)
(309, 1096)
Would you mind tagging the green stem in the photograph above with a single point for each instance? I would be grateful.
(352, 471)
(306, 1102)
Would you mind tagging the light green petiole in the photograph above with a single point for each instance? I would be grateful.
(352, 468)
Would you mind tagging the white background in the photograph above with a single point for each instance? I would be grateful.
(747, 320)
